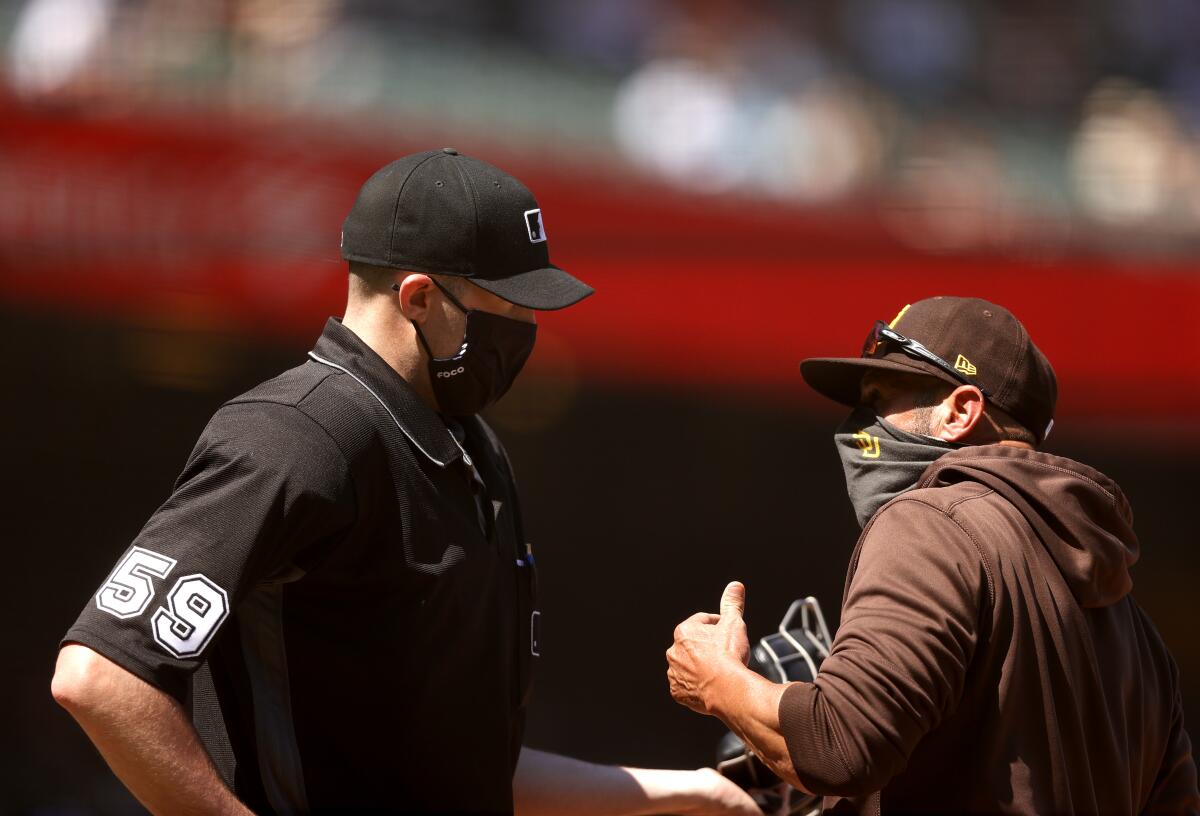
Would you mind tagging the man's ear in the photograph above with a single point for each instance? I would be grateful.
(959, 414)
(413, 292)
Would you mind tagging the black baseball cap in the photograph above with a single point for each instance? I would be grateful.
(440, 212)
(984, 343)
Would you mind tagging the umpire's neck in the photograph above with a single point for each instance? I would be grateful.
(383, 319)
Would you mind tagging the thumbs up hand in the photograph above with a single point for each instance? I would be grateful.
(733, 604)
(707, 648)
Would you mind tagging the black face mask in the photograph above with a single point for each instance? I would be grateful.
(493, 351)
(881, 461)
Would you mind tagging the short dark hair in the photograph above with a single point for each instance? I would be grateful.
(1008, 428)
(367, 279)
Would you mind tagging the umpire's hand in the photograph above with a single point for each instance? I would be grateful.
(708, 647)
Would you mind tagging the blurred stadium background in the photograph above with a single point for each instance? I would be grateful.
(745, 183)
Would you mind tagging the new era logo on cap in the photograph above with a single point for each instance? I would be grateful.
(533, 222)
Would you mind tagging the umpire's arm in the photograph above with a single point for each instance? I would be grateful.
(143, 734)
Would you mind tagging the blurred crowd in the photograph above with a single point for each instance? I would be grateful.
(962, 123)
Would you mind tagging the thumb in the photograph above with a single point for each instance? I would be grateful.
(733, 600)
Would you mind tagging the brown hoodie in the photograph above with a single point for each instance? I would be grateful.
(991, 657)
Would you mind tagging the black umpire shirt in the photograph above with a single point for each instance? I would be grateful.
(341, 592)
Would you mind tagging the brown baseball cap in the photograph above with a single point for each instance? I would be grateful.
(969, 340)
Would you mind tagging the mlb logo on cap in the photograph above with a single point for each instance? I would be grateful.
(533, 222)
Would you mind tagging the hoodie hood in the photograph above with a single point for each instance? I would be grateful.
(1080, 515)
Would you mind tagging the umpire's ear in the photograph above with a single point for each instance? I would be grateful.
(413, 295)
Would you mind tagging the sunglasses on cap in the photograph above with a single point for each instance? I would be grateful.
(881, 336)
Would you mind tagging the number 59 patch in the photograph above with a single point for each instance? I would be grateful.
(196, 607)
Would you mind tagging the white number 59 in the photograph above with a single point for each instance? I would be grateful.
(196, 607)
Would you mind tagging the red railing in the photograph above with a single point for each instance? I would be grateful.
(235, 224)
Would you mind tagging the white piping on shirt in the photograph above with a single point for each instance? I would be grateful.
(403, 430)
